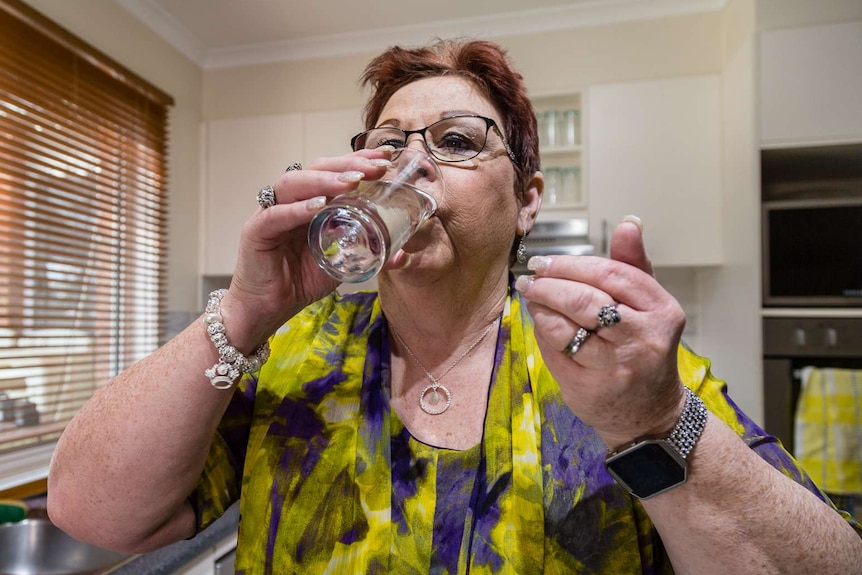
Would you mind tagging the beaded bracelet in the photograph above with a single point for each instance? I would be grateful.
(231, 363)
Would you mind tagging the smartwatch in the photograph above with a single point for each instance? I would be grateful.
(649, 467)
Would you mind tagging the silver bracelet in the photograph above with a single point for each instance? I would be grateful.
(690, 425)
(231, 364)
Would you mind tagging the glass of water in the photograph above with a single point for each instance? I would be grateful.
(354, 236)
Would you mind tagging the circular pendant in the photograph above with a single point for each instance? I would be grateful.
(430, 398)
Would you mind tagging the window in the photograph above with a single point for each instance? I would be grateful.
(82, 224)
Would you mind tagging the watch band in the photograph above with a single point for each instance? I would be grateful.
(689, 426)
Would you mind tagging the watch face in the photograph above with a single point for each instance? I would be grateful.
(647, 468)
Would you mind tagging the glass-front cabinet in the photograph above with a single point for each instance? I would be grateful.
(562, 146)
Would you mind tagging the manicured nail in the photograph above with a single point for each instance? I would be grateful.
(382, 162)
(634, 220)
(351, 176)
(538, 264)
(315, 203)
(524, 283)
(386, 148)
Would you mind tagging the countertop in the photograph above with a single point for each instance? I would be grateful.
(169, 559)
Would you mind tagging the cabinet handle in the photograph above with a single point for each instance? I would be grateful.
(799, 337)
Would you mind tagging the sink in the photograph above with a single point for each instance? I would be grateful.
(38, 547)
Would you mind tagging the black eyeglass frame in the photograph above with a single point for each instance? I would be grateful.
(489, 123)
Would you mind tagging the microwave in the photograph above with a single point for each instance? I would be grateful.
(812, 253)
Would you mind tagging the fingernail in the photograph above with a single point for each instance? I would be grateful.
(524, 283)
(386, 148)
(350, 177)
(634, 220)
(538, 264)
(315, 203)
(382, 162)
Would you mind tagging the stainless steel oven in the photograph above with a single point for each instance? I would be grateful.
(791, 344)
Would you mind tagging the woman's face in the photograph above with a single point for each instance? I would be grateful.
(479, 214)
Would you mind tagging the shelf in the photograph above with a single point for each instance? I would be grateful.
(561, 150)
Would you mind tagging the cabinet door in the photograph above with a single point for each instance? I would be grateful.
(811, 84)
(655, 152)
(242, 155)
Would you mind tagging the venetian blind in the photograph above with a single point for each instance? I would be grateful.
(82, 223)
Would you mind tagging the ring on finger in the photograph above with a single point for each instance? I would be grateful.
(266, 197)
(580, 337)
(294, 166)
(609, 315)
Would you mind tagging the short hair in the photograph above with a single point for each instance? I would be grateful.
(483, 63)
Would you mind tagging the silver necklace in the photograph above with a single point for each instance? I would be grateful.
(430, 396)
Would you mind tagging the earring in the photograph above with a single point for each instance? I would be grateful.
(521, 254)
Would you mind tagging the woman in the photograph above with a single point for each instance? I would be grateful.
(342, 468)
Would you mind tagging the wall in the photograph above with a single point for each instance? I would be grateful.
(730, 296)
(108, 27)
(796, 13)
(551, 62)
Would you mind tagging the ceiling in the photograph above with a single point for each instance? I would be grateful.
(224, 33)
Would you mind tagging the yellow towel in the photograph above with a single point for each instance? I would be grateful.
(828, 428)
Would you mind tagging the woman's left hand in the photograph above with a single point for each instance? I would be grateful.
(623, 379)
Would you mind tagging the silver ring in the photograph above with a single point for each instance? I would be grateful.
(266, 197)
(574, 345)
(294, 166)
(608, 316)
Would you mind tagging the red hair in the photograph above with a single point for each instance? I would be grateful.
(483, 63)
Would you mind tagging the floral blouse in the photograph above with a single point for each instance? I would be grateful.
(331, 481)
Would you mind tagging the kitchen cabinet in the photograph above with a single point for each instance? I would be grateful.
(562, 148)
(655, 152)
(244, 154)
(811, 84)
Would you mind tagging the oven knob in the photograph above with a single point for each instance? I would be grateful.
(831, 337)
(799, 337)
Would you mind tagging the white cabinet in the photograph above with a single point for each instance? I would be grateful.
(811, 84)
(655, 152)
(244, 154)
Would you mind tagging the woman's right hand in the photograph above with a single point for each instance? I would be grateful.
(275, 275)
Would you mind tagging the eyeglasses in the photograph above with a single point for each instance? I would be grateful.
(455, 139)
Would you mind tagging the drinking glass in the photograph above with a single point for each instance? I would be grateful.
(354, 236)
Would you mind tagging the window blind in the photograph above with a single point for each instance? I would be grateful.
(83, 143)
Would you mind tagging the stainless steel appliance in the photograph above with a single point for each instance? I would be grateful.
(560, 237)
(790, 344)
(812, 226)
